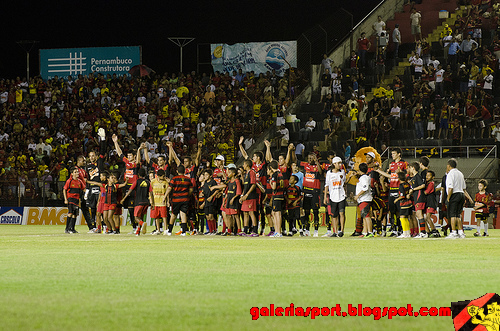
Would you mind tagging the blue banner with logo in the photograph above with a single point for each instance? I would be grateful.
(258, 57)
(11, 215)
(64, 62)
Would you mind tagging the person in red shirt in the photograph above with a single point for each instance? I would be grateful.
(131, 168)
(398, 165)
(481, 208)
(73, 191)
(143, 198)
(311, 183)
(363, 46)
(110, 201)
(181, 189)
(249, 199)
(83, 175)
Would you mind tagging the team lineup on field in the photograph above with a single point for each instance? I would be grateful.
(264, 192)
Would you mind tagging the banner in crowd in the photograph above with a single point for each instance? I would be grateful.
(11, 215)
(64, 62)
(258, 57)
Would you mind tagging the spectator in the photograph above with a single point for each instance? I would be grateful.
(378, 27)
(396, 39)
(299, 151)
(363, 45)
(415, 22)
(326, 84)
(326, 63)
(309, 127)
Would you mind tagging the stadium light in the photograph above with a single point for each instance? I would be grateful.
(181, 42)
(27, 46)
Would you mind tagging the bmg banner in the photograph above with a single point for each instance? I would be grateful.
(64, 62)
(258, 57)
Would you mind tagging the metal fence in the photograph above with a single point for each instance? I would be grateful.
(322, 39)
(37, 192)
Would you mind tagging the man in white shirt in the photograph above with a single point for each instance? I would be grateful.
(285, 136)
(378, 27)
(144, 117)
(395, 116)
(419, 64)
(488, 82)
(304, 132)
(396, 39)
(335, 196)
(456, 189)
(415, 20)
(364, 199)
(439, 80)
(140, 129)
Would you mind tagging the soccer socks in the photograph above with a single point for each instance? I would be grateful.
(405, 224)
(485, 227)
(68, 223)
(132, 218)
(359, 225)
(184, 227)
(170, 228)
(421, 223)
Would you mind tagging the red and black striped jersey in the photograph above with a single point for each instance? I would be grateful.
(156, 167)
(217, 175)
(260, 172)
(74, 189)
(111, 194)
(180, 188)
(293, 193)
(482, 199)
(191, 173)
(82, 175)
(279, 191)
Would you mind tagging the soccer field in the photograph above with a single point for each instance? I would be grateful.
(53, 281)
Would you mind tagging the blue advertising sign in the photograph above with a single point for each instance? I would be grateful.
(64, 62)
(11, 215)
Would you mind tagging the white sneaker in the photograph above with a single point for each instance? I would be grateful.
(403, 236)
(277, 235)
(166, 233)
(183, 234)
(315, 233)
(94, 230)
(421, 235)
(452, 236)
(307, 233)
(327, 234)
(133, 231)
(461, 236)
(156, 232)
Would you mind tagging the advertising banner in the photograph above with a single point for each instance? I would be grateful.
(64, 62)
(258, 57)
(11, 215)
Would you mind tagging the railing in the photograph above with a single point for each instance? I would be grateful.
(32, 192)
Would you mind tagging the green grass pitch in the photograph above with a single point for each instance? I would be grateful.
(53, 281)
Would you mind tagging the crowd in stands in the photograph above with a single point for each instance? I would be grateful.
(46, 124)
(447, 92)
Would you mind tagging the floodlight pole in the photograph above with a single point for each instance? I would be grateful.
(27, 46)
(181, 42)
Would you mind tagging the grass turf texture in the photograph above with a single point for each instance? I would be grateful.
(56, 281)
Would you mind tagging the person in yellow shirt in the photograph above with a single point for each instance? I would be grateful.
(182, 91)
(379, 91)
(195, 115)
(353, 115)
(19, 95)
(447, 31)
(185, 110)
(162, 129)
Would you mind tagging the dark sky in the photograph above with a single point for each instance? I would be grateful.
(77, 23)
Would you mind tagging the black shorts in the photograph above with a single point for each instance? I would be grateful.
(311, 199)
(393, 207)
(405, 211)
(268, 209)
(293, 214)
(337, 207)
(278, 205)
(482, 216)
(92, 199)
(129, 201)
(456, 204)
(177, 207)
(209, 209)
(73, 209)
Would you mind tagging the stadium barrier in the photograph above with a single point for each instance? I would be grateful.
(57, 216)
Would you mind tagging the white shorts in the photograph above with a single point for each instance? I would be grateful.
(325, 90)
(431, 126)
(337, 89)
(472, 83)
